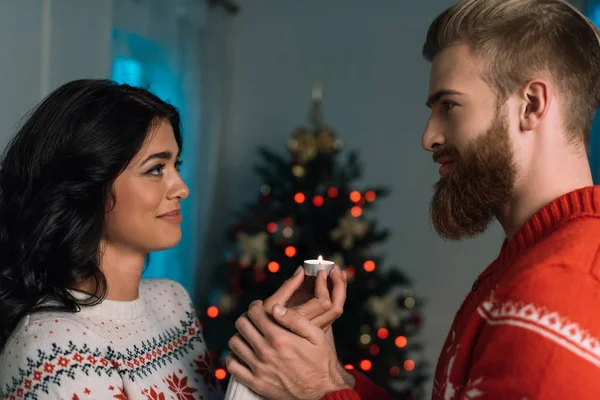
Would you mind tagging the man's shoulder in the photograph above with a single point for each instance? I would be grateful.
(565, 291)
(574, 246)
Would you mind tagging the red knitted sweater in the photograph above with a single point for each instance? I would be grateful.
(530, 327)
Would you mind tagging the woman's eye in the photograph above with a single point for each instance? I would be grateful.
(157, 170)
(178, 165)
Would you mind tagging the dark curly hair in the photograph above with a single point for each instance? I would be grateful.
(56, 181)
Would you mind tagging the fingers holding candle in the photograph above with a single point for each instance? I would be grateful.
(317, 298)
(326, 306)
(312, 267)
(328, 296)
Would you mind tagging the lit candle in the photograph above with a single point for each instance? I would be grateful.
(312, 267)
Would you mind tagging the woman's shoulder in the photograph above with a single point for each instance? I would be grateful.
(50, 329)
(44, 338)
(156, 288)
(165, 296)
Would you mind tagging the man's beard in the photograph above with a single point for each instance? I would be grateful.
(468, 198)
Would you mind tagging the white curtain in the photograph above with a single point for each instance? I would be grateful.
(175, 49)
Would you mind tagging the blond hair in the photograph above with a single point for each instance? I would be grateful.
(517, 39)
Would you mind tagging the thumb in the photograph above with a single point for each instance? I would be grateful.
(297, 323)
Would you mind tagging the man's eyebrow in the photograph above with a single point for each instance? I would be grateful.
(434, 98)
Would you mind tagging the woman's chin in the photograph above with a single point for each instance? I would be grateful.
(167, 243)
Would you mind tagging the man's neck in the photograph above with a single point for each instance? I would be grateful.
(540, 187)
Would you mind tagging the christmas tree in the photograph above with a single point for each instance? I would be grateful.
(308, 205)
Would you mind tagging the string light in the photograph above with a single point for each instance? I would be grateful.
(409, 365)
(365, 365)
(369, 266)
(272, 227)
(355, 196)
(374, 349)
(287, 232)
(409, 302)
(318, 201)
(370, 196)
(220, 374)
(259, 275)
(394, 371)
(290, 251)
(382, 333)
(265, 189)
(351, 271)
(356, 211)
(349, 367)
(332, 192)
(273, 266)
(299, 198)
(365, 338)
(212, 312)
(401, 341)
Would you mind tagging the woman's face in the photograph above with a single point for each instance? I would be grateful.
(146, 215)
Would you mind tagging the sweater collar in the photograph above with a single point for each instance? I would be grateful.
(578, 203)
(112, 309)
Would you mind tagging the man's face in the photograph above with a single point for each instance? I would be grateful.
(468, 134)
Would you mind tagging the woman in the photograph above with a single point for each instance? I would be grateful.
(88, 187)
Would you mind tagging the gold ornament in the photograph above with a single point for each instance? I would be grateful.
(303, 144)
(253, 247)
(326, 141)
(348, 230)
(385, 310)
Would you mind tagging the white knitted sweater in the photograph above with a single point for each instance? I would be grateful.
(150, 348)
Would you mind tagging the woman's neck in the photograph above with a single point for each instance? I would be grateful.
(123, 271)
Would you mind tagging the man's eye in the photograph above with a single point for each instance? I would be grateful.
(448, 105)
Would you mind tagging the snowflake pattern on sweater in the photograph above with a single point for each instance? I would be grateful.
(529, 328)
(150, 348)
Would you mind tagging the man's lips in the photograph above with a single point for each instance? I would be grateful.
(447, 165)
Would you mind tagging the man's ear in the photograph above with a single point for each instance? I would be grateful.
(535, 103)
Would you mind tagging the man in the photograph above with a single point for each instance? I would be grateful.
(513, 89)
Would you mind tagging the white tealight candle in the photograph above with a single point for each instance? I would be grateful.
(312, 267)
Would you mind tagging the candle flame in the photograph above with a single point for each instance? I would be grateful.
(320, 259)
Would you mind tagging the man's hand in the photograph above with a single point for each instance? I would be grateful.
(310, 296)
(277, 363)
